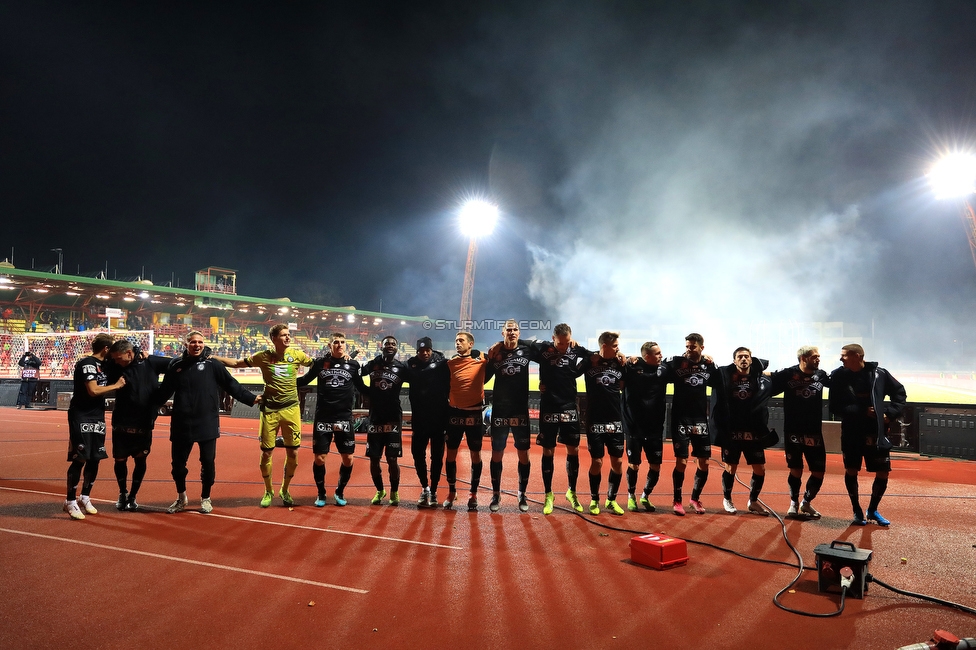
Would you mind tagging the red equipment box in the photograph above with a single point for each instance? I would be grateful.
(658, 551)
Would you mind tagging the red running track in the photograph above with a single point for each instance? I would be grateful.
(385, 577)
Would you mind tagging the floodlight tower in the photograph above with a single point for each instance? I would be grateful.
(954, 176)
(476, 219)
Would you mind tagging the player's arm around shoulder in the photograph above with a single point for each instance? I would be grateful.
(226, 381)
(841, 400)
(302, 358)
(494, 352)
(312, 372)
(357, 376)
(777, 380)
(158, 363)
(234, 363)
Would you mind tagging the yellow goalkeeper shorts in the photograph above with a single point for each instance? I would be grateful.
(288, 420)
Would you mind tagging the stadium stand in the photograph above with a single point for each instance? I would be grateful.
(57, 315)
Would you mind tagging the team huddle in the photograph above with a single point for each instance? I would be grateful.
(624, 412)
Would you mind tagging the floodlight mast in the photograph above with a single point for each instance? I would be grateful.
(467, 292)
(969, 221)
(477, 219)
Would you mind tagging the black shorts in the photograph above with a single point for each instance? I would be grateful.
(743, 444)
(324, 432)
(382, 436)
(753, 454)
(424, 433)
(86, 439)
(427, 435)
(652, 446)
(809, 446)
(563, 426)
(461, 423)
(605, 435)
(131, 441)
(517, 424)
(856, 447)
(694, 434)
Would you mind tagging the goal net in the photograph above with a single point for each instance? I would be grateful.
(59, 351)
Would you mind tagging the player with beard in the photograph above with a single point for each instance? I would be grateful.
(740, 393)
(133, 416)
(384, 434)
(509, 363)
(430, 388)
(857, 392)
(338, 380)
(644, 408)
(86, 425)
(690, 374)
(464, 417)
(603, 374)
(560, 363)
(802, 387)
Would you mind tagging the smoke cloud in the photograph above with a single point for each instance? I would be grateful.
(746, 192)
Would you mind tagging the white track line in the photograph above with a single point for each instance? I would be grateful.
(275, 523)
(338, 532)
(184, 560)
(35, 453)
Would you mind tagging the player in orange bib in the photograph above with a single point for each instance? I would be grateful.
(465, 417)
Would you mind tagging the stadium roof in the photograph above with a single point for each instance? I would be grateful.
(38, 289)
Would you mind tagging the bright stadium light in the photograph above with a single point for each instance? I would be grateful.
(477, 218)
(953, 176)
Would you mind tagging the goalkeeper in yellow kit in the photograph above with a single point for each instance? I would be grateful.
(280, 409)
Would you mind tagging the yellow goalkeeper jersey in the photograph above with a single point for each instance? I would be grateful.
(280, 375)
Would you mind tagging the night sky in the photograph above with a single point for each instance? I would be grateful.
(676, 163)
